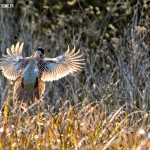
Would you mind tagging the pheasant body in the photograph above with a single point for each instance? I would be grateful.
(31, 72)
(30, 75)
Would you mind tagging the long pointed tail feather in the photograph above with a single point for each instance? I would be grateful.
(28, 96)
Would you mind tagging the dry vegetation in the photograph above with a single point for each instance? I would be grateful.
(107, 105)
(83, 126)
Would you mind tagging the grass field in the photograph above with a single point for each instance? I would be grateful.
(83, 126)
(106, 106)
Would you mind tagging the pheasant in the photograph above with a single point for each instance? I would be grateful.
(30, 73)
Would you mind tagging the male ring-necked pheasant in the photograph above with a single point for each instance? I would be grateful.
(31, 72)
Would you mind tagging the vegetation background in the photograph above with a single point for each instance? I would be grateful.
(107, 105)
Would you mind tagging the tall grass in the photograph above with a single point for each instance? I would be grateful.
(83, 126)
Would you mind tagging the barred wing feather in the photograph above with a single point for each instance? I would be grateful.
(56, 68)
(12, 62)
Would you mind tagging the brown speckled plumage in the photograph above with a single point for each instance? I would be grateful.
(31, 72)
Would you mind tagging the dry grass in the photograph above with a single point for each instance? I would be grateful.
(84, 126)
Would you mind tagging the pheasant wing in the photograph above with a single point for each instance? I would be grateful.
(13, 62)
(56, 68)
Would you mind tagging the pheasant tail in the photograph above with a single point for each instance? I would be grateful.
(28, 96)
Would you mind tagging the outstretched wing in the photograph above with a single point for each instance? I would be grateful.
(56, 68)
(11, 63)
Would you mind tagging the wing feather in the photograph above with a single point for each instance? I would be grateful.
(20, 49)
(9, 52)
(61, 66)
(16, 50)
(12, 62)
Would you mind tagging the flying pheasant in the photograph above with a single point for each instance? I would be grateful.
(31, 72)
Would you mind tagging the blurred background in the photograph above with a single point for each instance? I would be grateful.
(114, 36)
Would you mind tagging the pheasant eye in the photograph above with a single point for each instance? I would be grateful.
(41, 50)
